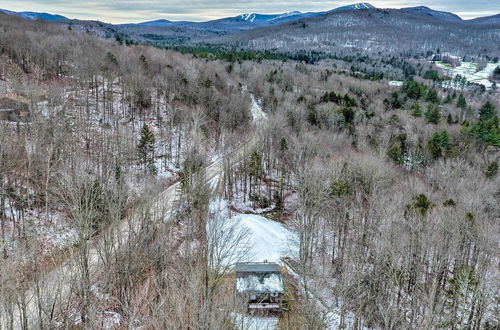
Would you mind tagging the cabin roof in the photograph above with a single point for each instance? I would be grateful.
(265, 283)
(258, 277)
(257, 267)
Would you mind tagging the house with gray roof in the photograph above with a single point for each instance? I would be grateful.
(261, 286)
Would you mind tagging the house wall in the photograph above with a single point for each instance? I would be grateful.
(11, 109)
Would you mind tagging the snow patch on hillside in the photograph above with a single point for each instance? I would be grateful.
(356, 6)
(363, 5)
(256, 110)
(285, 15)
(333, 319)
(248, 17)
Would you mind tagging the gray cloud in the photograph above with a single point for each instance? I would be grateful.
(120, 11)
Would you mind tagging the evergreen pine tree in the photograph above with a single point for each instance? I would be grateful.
(144, 62)
(449, 119)
(440, 143)
(416, 110)
(492, 169)
(487, 112)
(433, 114)
(432, 96)
(283, 146)
(461, 102)
(396, 153)
(255, 170)
(146, 148)
(349, 115)
(420, 204)
(255, 166)
(487, 129)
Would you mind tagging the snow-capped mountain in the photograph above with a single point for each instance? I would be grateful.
(356, 6)
(229, 24)
(294, 15)
(249, 21)
(253, 17)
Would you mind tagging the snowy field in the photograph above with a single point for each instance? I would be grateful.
(470, 72)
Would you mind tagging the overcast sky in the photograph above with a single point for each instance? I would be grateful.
(123, 11)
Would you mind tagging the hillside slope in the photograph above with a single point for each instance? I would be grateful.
(426, 11)
(34, 15)
(372, 31)
(494, 19)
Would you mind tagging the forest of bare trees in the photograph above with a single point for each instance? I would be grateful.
(116, 189)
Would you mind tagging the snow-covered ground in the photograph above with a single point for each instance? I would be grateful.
(396, 83)
(111, 320)
(56, 230)
(269, 240)
(249, 206)
(469, 71)
(256, 237)
(246, 322)
(256, 110)
(333, 319)
(50, 230)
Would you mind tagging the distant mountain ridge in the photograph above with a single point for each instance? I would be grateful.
(346, 29)
(371, 31)
(254, 17)
(244, 22)
(249, 21)
(34, 15)
(494, 19)
(426, 11)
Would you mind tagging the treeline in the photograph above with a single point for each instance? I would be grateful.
(226, 54)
